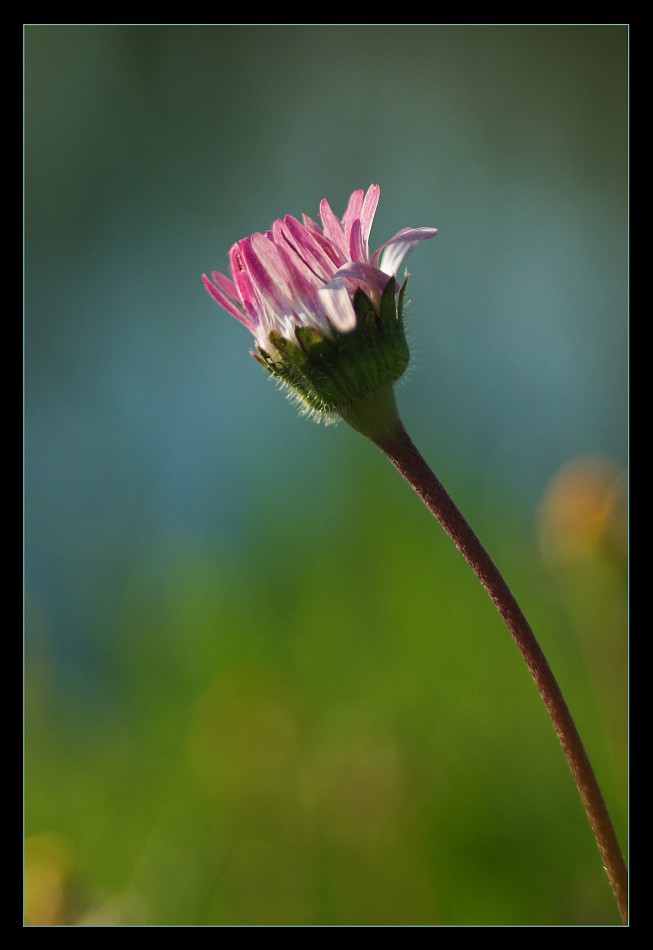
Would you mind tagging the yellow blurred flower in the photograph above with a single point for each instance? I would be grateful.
(48, 876)
(583, 512)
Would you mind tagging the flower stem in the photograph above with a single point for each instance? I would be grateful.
(403, 454)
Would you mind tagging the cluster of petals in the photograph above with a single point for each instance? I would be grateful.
(302, 274)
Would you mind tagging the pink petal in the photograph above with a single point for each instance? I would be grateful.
(305, 245)
(332, 252)
(244, 285)
(311, 225)
(303, 280)
(356, 246)
(226, 303)
(262, 282)
(333, 230)
(274, 265)
(367, 213)
(225, 284)
(353, 211)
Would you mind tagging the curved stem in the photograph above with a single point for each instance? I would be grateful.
(400, 450)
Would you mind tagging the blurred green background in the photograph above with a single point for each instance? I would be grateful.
(261, 686)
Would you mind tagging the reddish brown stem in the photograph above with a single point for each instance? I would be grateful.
(400, 450)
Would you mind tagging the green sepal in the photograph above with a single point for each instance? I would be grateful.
(309, 338)
(287, 349)
(400, 302)
(388, 306)
(366, 315)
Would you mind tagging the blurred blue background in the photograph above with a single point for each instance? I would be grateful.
(199, 559)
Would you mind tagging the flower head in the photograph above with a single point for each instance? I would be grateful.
(325, 313)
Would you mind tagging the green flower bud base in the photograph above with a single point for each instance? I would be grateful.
(347, 375)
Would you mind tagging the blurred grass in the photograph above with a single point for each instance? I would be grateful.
(343, 733)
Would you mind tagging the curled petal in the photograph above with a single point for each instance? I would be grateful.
(391, 255)
(364, 273)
